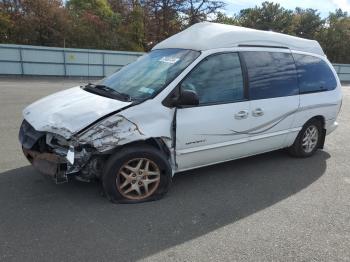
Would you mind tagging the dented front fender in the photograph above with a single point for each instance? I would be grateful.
(136, 123)
(111, 132)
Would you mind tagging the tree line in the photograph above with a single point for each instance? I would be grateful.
(137, 25)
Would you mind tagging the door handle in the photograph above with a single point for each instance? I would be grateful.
(241, 114)
(258, 112)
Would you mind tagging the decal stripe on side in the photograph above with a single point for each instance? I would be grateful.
(270, 124)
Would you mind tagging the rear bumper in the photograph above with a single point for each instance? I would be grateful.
(48, 164)
(331, 127)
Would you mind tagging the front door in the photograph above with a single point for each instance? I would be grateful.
(214, 130)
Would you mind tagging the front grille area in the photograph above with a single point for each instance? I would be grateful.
(28, 136)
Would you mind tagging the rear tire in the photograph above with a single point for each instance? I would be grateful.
(308, 140)
(136, 174)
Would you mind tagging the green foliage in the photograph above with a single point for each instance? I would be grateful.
(135, 32)
(335, 38)
(101, 8)
(198, 10)
(268, 16)
(162, 19)
(95, 24)
(306, 23)
(137, 25)
(222, 18)
(41, 22)
(5, 26)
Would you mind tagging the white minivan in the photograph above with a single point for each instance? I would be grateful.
(209, 94)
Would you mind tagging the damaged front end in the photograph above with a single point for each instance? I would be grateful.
(58, 157)
(83, 153)
(40, 155)
(50, 164)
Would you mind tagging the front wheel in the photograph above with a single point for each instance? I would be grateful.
(136, 174)
(308, 140)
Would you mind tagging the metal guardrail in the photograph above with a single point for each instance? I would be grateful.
(55, 61)
(343, 71)
(52, 61)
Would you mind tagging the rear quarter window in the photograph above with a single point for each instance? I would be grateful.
(314, 74)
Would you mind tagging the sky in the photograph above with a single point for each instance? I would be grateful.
(324, 6)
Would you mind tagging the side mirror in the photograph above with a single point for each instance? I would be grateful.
(187, 98)
(179, 98)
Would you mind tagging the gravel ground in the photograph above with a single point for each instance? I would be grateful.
(265, 208)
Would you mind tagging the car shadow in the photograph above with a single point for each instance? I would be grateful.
(72, 220)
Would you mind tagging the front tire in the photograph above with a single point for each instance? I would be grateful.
(308, 140)
(136, 174)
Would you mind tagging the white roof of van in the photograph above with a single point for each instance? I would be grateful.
(205, 35)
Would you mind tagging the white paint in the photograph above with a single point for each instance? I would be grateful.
(205, 134)
(208, 124)
(272, 108)
(205, 36)
(69, 111)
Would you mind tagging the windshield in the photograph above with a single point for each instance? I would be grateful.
(150, 73)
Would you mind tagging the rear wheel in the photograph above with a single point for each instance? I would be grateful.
(136, 174)
(308, 140)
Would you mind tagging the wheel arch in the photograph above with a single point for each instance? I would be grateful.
(319, 118)
(155, 142)
(322, 120)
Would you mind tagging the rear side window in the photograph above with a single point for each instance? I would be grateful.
(271, 74)
(217, 79)
(314, 74)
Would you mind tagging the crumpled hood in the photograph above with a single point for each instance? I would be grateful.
(69, 111)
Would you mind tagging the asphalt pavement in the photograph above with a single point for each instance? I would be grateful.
(269, 207)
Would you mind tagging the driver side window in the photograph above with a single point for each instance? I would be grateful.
(217, 79)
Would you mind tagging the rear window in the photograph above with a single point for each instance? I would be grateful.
(314, 74)
(271, 74)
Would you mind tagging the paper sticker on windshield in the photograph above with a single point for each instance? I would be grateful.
(170, 60)
(146, 90)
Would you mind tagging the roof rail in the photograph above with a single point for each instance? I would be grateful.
(268, 46)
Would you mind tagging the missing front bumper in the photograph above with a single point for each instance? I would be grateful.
(48, 164)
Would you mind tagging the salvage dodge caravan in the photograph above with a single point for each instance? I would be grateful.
(209, 94)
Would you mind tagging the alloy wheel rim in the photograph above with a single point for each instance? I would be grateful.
(310, 139)
(138, 178)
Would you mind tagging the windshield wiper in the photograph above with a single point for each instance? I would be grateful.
(109, 90)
